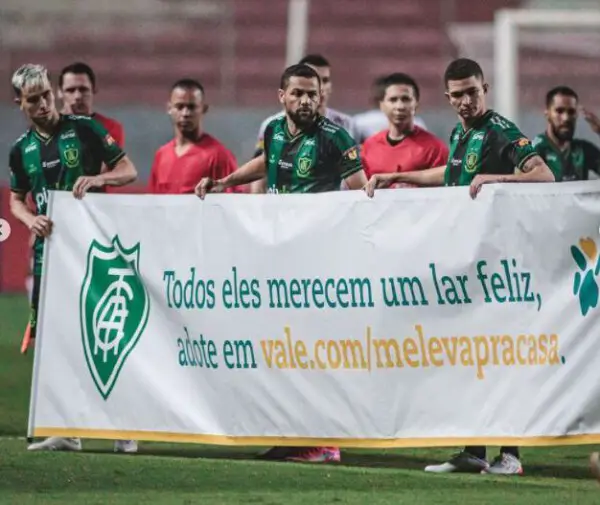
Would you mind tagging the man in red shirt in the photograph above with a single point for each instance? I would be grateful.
(76, 89)
(404, 146)
(192, 155)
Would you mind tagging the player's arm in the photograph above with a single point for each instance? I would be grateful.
(592, 157)
(249, 172)
(124, 172)
(121, 171)
(225, 164)
(429, 177)
(347, 158)
(515, 150)
(40, 225)
(19, 187)
(259, 187)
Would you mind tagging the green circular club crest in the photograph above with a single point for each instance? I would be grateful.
(471, 164)
(304, 165)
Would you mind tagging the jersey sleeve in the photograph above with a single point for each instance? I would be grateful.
(260, 142)
(266, 140)
(592, 157)
(119, 135)
(102, 143)
(511, 145)
(19, 182)
(346, 154)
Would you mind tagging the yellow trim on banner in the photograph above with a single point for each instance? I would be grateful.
(159, 436)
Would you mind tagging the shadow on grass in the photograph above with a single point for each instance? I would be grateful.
(356, 459)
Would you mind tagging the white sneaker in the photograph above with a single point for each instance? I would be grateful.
(505, 464)
(127, 446)
(461, 462)
(56, 444)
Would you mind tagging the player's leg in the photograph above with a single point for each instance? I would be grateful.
(52, 443)
(595, 465)
(28, 341)
(507, 463)
(470, 460)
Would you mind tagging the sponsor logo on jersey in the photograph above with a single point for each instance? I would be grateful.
(286, 165)
(279, 137)
(478, 136)
(30, 147)
(68, 135)
(522, 142)
(109, 139)
(50, 164)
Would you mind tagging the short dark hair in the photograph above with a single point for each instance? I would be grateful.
(462, 68)
(316, 60)
(560, 90)
(188, 83)
(78, 68)
(299, 70)
(385, 82)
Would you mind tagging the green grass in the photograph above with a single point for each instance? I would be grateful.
(15, 368)
(190, 474)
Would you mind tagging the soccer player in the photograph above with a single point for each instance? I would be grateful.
(76, 89)
(570, 159)
(485, 148)
(192, 154)
(322, 66)
(403, 146)
(304, 152)
(58, 152)
(367, 124)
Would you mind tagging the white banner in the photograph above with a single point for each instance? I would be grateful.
(417, 318)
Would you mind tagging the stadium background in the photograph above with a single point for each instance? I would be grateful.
(237, 49)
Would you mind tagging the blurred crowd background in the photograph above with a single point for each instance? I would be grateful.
(238, 48)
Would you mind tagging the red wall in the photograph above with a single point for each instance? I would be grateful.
(15, 251)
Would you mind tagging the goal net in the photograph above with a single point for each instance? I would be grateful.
(536, 50)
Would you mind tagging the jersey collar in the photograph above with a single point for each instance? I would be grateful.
(46, 140)
(310, 129)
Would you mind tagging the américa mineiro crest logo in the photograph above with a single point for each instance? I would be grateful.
(114, 309)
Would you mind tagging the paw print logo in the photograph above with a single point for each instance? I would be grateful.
(585, 285)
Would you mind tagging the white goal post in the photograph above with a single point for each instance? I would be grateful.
(506, 44)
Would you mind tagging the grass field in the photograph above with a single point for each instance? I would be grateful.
(190, 474)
